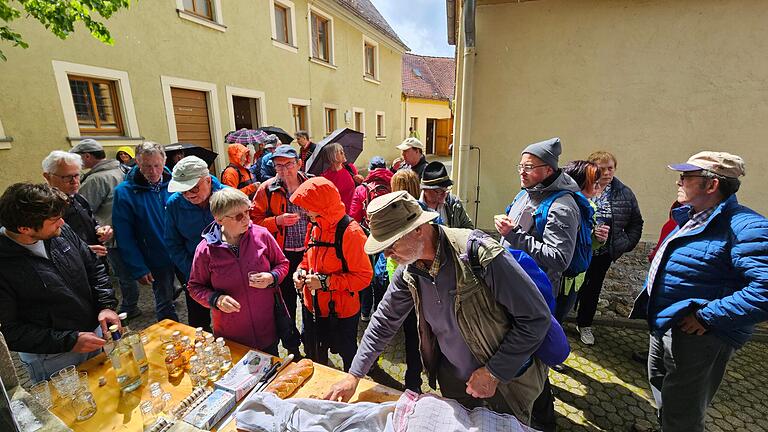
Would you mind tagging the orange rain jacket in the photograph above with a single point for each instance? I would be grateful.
(320, 196)
(235, 174)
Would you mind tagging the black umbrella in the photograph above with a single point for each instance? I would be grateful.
(350, 140)
(176, 151)
(282, 135)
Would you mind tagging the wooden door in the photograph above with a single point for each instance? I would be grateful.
(190, 109)
(443, 136)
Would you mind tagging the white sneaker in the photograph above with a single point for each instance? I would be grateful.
(587, 338)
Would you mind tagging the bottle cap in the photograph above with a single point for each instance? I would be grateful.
(170, 347)
(176, 334)
(198, 329)
(194, 358)
(123, 316)
(185, 339)
(113, 328)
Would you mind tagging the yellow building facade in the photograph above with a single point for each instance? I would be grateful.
(653, 82)
(179, 71)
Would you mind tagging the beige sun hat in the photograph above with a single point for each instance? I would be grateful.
(391, 217)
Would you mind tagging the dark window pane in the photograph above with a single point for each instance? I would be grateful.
(81, 96)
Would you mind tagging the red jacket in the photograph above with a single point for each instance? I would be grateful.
(381, 176)
(235, 174)
(319, 195)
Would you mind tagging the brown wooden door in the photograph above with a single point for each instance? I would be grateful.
(190, 109)
(443, 136)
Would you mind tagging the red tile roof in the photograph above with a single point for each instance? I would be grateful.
(437, 78)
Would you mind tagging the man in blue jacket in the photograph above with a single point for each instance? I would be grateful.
(706, 289)
(187, 213)
(138, 209)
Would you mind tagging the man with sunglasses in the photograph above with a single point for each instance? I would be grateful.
(62, 171)
(187, 214)
(553, 248)
(286, 221)
(705, 291)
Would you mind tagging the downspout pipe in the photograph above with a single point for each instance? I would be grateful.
(468, 60)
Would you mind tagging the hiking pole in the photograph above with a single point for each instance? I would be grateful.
(316, 321)
(477, 194)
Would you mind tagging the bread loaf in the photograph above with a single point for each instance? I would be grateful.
(291, 379)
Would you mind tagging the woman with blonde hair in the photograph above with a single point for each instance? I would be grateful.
(408, 181)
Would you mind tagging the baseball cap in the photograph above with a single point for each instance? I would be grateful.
(285, 151)
(720, 163)
(186, 173)
(411, 143)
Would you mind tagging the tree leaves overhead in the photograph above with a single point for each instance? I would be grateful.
(59, 16)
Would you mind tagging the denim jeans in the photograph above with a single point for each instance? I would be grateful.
(685, 372)
(42, 366)
(163, 289)
(129, 289)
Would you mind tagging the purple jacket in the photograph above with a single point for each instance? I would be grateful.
(217, 271)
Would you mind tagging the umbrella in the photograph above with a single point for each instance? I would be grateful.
(174, 152)
(282, 135)
(245, 136)
(350, 140)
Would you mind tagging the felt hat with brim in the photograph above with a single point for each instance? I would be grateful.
(186, 173)
(720, 163)
(391, 217)
(435, 176)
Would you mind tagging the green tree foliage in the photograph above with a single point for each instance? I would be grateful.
(58, 16)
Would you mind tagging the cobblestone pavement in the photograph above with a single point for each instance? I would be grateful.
(603, 389)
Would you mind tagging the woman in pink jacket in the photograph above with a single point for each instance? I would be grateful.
(235, 270)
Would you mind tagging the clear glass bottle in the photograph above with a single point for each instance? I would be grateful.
(134, 340)
(124, 363)
(211, 364)
(199, 336)
(209, 341)
(176, 340)
(224, 354)
(173, 362)
(187, 351)
(199, 349)
(197, 372)
(155, 392)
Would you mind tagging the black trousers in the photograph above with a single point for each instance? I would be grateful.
(412, 353)
(338, 335)
(286, 286)
(589, 293)
(197, 314)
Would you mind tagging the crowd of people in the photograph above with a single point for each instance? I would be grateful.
(394, 248)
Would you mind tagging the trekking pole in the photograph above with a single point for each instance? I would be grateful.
(316, 321)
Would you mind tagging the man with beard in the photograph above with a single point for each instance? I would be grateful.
(479, 347)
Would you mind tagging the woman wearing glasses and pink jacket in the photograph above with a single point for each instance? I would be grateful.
(235, 272)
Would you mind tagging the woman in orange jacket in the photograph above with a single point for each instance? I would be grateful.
(236, 174)
(331, 274)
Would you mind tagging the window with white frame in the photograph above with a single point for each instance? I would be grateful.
(321, 35)
(205, 12)
(330, 112)
(370, 59)
(380, 125)
(96, 102)
(5, 141)
(358, 120)
(300, 115)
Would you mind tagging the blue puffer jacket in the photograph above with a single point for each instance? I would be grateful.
(719, 270)
(184, 225)
(137, 219)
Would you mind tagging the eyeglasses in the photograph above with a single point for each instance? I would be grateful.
(68, 178)
(438, 191)
(528, 168)
(285, 166)
(683, 177)
(238, 217)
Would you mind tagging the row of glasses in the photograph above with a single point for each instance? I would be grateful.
(73, 387)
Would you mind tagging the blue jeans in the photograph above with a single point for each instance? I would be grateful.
(42, 366)
(129, 289)
(163, 289)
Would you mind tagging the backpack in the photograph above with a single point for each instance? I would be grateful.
(582, 252)
(341, 227)
(373, 190)
(555, 348)
(240, 183)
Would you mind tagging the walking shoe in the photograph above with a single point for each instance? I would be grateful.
(365, 318)
(587, 338)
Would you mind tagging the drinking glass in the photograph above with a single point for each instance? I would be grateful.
(84, 404)
(42, 393)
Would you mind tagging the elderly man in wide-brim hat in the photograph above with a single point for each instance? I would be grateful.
(468, 342)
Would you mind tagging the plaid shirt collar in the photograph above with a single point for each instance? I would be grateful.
(436, 263)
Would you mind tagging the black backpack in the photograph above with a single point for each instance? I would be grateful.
(341, 227)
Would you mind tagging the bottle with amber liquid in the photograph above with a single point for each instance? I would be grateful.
(199, 336)
(187, 351)
(225, 355)
(173, 362)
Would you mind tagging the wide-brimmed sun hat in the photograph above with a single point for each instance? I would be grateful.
(392, 216)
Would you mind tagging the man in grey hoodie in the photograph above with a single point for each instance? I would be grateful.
(553, 248)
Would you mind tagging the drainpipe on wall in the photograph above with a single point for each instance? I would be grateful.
(465, 115)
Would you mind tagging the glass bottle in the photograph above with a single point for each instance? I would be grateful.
(176, 340)
(173, 362)
(199, 350)
(224, 354)
(124, 363)
(209, 341)
(197, 372)
(187, 351)
(199, 336)
(134, 340)
(155, 392)
(211, 364)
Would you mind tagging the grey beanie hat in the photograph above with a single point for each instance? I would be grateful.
(548, 151)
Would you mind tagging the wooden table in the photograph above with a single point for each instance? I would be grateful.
(116, 412)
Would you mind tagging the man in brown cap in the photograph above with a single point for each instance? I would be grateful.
(706, 289)
(478, 347)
